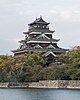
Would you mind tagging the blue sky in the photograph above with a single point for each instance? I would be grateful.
(63, 15)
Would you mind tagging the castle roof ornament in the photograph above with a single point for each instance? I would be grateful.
(40, 16)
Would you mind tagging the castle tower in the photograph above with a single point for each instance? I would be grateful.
(39, 38)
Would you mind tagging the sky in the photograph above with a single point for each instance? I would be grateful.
(15, 15)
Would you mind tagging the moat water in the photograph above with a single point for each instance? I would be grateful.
(39, 94)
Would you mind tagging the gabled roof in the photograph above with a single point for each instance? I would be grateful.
(48, 53)
(39, 21)
(37, 46)
(23, 46)
(42, 36)
(50, 46)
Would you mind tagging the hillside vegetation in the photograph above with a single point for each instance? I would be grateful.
(33, 67)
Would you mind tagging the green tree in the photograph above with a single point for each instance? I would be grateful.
(35, 59)
(71, 57)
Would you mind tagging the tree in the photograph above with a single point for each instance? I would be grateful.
(71, 57)
(35, 59)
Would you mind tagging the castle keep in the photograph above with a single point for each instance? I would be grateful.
(39, 38)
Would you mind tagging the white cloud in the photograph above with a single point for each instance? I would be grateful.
(24, 8)
(64, 15)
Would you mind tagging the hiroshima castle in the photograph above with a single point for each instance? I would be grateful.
(39, 38)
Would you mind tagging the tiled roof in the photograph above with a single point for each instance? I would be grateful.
(51, 46)
(42, 36)
(37, 46)
(48, 53)
(41, 39)
(39, 21)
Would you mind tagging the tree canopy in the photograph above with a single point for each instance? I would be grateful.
(71, 57)
(32, 67)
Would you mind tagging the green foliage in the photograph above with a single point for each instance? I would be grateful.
(21, 68)
(32, 67)
(71, 57)
(35, 59)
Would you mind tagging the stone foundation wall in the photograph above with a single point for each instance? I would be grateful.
(61, 84)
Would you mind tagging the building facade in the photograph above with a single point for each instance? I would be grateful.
(39, 38)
